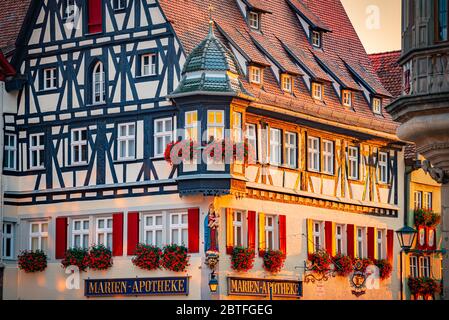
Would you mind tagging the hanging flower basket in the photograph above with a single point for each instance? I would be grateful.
(426, 218)
(344, 265)
(100, 258)
(76, 257)
(147, 257)
(385, 268)
(175, 258)
(242, 259)
(424, 286)
(320, 262)
(273, 261)
(183, 145)
(32, 261)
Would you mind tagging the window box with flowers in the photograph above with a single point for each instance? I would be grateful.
(344, 265)
(242, 259)
(186, 151)
(175, 258)
(424, 287)
(147, 257)
(385, 268)
(32, 261)
(273, 260)
(78, 257)
(320, 262)
(100, 258)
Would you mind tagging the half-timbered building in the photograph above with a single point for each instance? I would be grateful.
(105, 85)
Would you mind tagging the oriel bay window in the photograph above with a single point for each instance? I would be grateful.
(126, 141)
(353, 159)
(103, 232)
(39, 236)
(37, 151)
(80, 233)
(275, 146)
(215, 125)
(79, 146)
(163, 135)
(237, 130)
(291, 148)
(313, 154)
(191, 125)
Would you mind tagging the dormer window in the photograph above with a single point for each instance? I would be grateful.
(287, 82)
(254, 20)
(347, 98)
(377, 105)
(255, 75)
(317, 91)
(316, 39)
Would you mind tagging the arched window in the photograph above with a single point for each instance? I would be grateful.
(98, 83)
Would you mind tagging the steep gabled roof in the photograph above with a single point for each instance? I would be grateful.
(307, 14)
(12, 15)
(389, 71)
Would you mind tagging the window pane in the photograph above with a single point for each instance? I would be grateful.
(34, 243)
(159, 238)
(44, 241)
(159, 220)
(184, 236)
(101, 238)
(34, 227)
(109, 223)
(101, 223)
(86, 241)
(174, 236)
(109, 244)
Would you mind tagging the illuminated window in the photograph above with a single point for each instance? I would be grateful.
(427, 200)
(353, 157)
(383, 167)
(237, 131)
(191, 125)
(215, 125)
(347, 98)
(316, 39)
(237, 224)
(104, 232)
(255, 75)
(163, 135)
(37, 151)
(287, 81)
(291, 149)
(153, 230)
(10, 151)
(254, 20)
(79, 146)
(424, 267)
(126, 141)
(275, 146)
(80, 233)
(317, 91)
(418, 200)
(377, 106)
(39, 236)
(328, 157)
(414, 272)
(313, 159)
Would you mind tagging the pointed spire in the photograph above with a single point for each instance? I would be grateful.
(211, 21)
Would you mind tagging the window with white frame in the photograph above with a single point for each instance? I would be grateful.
(254, 20)
(148, 64)
(427, 200)
(126, 140)
(80, 233)
(79, 146)
(237, 225)
(328, 156)
(275, 146)
(353, 158)
(237, 131)
(313, 154)
(179, 228)
(317, 235)
(418, 200)
(215, 125)
(317, 91)
(191, 125)
(104, 232)
(119, 4)
(8, 240)
(255, 75)
(270, 232)
(10, 151)
(360, 236)
(39, 236)
(339, 239)
(154, 230)
(380, 244)
(347, 98)
(414, 272)
(424, 266)
(291, 148)
(163, 135)
(287, 82)
(37, 151)
(251, 135)
(316, 39)
(382, 165)
(98, 83)
(50, 78)
(377, 105)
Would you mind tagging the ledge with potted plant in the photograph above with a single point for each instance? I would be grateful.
(32, 261)
(242, 259)
(175, 258)
(273, 260)
(147, 257)
(100, 258)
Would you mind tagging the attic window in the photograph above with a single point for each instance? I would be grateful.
(287, 82)
(316, 39)
(255, 75)
(254, 20)
(377, 105)
(317, 91)
(347, 98)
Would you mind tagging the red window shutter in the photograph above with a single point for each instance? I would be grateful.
(117, 234)
(252, 230)
(422, 238)
(328, 236)
(431, 238)
(390, 243)
(283, 234)
(61, 237)
(350, 239)
(95, 23)
(194, 230)
(133, 232)
(371, 243)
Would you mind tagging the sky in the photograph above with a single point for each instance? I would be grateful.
(377, 22)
